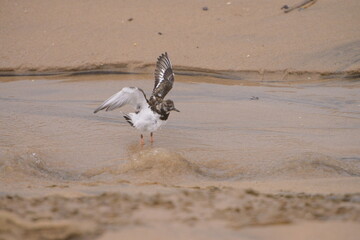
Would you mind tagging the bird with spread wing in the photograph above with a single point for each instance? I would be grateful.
(150, 114)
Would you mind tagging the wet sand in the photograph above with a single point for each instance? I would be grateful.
(241, 160)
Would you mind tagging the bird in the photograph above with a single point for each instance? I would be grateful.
(150, 114)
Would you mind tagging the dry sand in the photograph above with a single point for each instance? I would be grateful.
(284, 166)
(230, 36)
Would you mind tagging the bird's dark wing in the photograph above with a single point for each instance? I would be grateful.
(164, 76)
(128, 95)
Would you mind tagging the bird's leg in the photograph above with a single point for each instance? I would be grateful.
(142, 140)
(151, 137)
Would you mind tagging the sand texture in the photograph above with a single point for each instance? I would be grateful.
(229, 36)
(266, 145)
(58, 217)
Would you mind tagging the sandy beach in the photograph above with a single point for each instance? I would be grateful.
(230, 36)
(266, 145)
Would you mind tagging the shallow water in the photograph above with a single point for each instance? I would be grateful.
(228, 131)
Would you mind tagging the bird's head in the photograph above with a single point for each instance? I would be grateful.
(168, 106)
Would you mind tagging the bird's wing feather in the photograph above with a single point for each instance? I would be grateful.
(128, 95)
(164, 76)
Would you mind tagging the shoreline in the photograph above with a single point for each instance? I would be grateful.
(286, 75)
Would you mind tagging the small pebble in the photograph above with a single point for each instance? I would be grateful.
(205, 8)
(160, 33)
(130, 19)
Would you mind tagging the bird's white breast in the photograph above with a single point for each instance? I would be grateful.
(146, 120)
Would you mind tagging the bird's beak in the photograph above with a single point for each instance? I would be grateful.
(176, 110)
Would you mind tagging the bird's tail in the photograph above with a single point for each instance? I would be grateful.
(128, 119)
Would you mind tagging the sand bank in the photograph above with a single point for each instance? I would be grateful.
(235, 36)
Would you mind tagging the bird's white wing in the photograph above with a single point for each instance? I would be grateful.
(128, 95)
(164, 76)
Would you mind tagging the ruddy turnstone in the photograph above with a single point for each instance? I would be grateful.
(150, 113)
